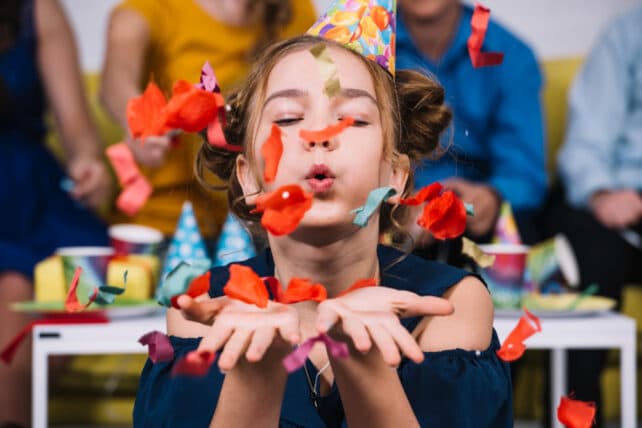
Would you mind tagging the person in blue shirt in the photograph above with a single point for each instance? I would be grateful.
(600, 167)
(422, 349)
(496, 147)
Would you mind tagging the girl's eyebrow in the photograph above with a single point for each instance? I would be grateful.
(285, 93)
(299, 93)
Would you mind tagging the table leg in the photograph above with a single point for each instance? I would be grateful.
(558, 382)
(39, 384)
(627, 384)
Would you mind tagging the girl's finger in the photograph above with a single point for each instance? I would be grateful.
(387, 346)
(327, 316)
(411, 305)
(261, 341)
(200, 311)
(234, 348)
(289, 331)
(357, 331)
(216, 338)
(404, 340)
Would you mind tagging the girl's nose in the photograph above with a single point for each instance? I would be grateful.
(330, 144)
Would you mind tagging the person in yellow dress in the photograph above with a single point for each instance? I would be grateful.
(167, 40)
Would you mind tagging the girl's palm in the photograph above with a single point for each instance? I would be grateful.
(372, 315)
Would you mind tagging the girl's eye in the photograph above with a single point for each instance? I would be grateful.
(287, 121)
(359, 122)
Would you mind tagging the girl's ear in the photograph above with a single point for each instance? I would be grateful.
(247, 180)
(399, 176)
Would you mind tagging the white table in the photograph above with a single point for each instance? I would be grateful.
(115, 337)
(608, 331)
(121, 336)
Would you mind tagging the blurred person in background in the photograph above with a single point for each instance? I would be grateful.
(496, 148)
(599, 205)
(38, 71)
(164, 41)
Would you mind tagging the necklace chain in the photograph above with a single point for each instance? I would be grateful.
(313, 385)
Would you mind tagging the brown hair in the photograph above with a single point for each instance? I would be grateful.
(411, 105)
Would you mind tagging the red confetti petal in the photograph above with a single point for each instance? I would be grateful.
(136, 188)
(301, 289)
(146, 113)
(245, 285)
(283, 209)
(326, 133)
(271, 151)
(513, 346)
(479, 25)
(198, 286)
(575, 413)
(444, 216)
(426, 193)
(195, 363)
(360, 283)
(192, 109)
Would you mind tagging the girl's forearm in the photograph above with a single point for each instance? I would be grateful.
(371, 392)
(251, 392)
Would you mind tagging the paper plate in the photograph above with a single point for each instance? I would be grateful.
(119, 309)
(557, 306)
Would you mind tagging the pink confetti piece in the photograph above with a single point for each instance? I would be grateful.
(160, 348)
(295, 359)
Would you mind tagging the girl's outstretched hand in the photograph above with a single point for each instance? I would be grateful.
(243, 328)
(372, 315)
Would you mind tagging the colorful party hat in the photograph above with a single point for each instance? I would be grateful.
(235, 243)
(506, 231)
(365, 26)
(187, 245)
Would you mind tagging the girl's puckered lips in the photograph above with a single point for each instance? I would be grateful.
(320, 178)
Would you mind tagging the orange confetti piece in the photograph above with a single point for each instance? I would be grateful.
(326, 133)
(513, 347)
(576, 413)
(71, 302)
(271, 151)
(283, 209)
(444, 216)
(190, 108)
(245, 285)
(426, 193)
(301, 289)
(360, 283)
(146, 113)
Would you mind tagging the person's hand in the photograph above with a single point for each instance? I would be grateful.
(243, 328)
(483, 198)
(617, 209)
(92, 182)
(372, 314)
(152, 151)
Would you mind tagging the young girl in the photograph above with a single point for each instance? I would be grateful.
(421, 344)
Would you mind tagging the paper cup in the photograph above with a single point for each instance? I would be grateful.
(552, 261)
(505, 278)
(92, 260)
(135, 239)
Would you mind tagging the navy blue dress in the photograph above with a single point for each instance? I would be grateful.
(36, 216)
(453, 388)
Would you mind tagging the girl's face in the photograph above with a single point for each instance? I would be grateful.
(341, 172)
